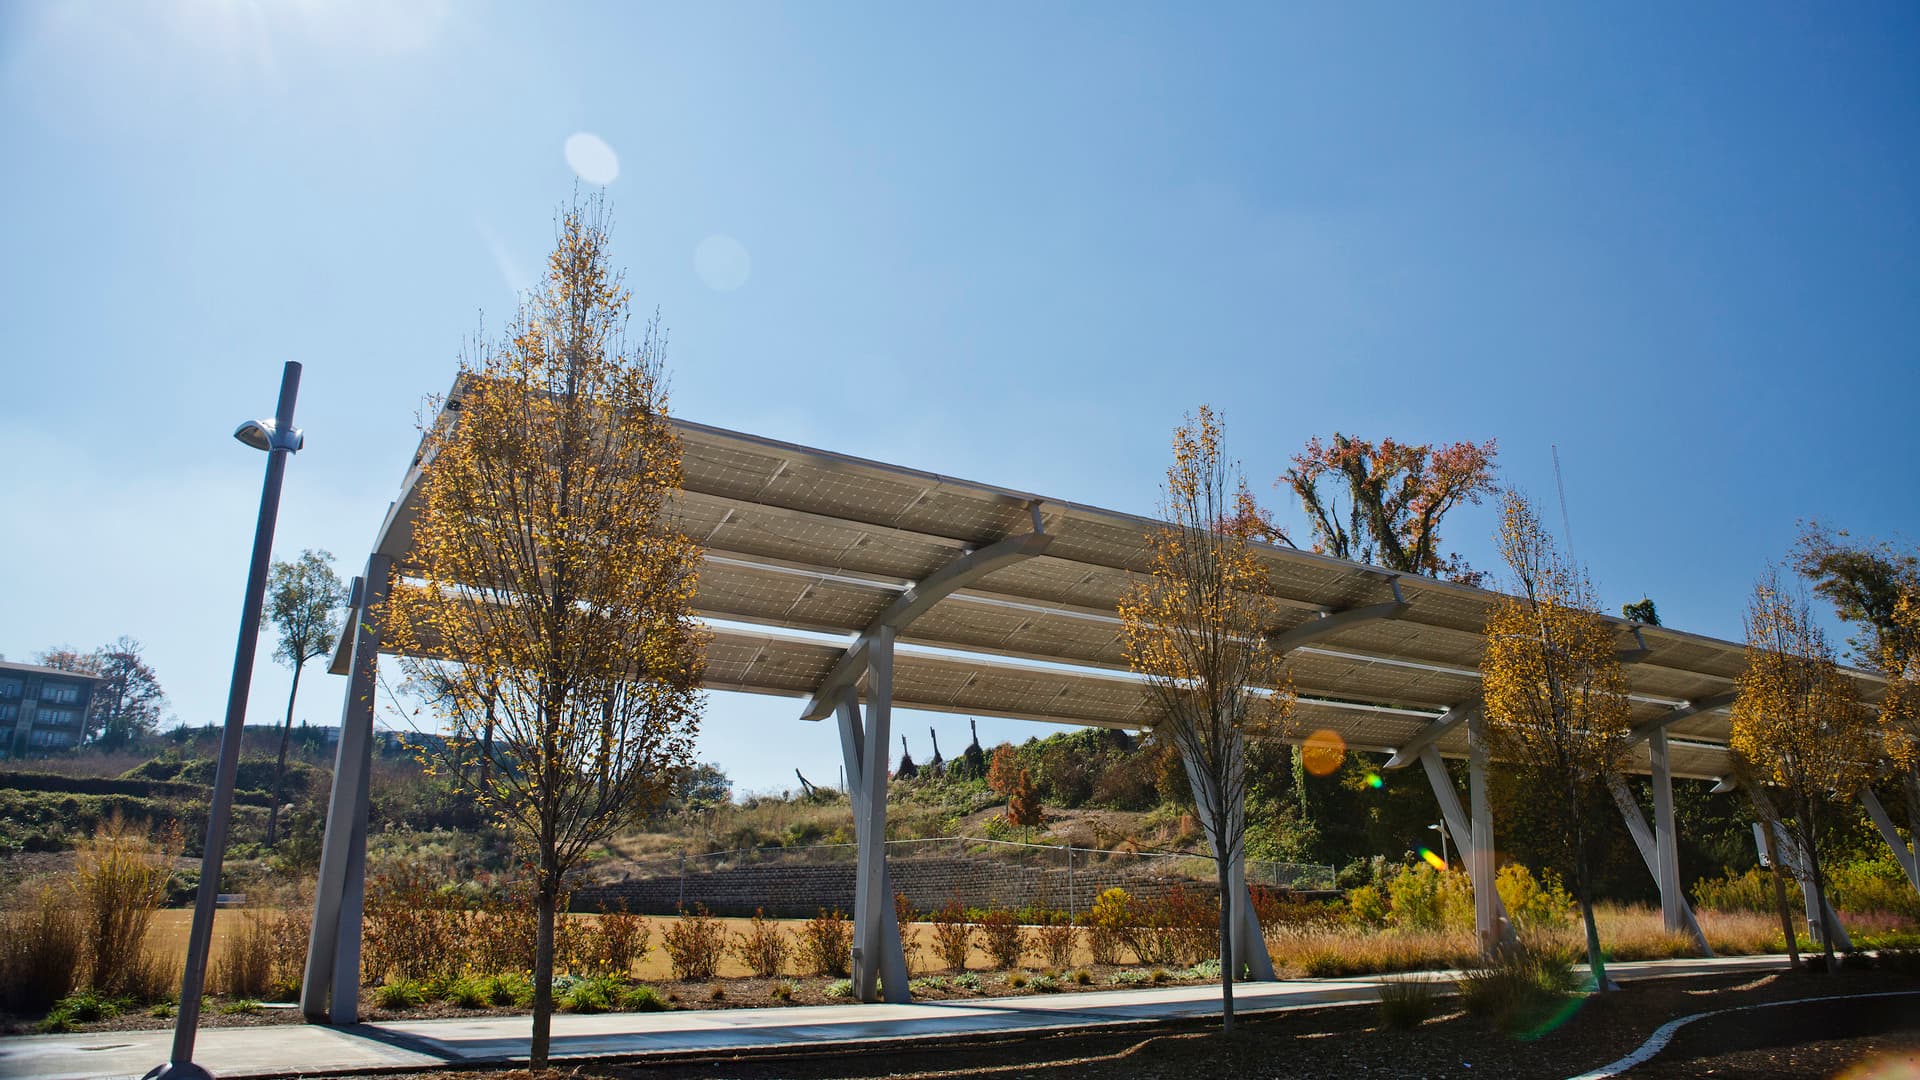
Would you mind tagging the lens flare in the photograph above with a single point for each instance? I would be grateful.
(1889, 1066)
(1374, 781)
(1323, 752)
(1432, 859)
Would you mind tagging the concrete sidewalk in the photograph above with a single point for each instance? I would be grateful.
(301, 1048)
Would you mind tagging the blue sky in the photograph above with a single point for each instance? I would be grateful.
(999, 242)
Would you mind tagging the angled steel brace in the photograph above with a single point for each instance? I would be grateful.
(915, 602)
(880, 962)
(1907, 857)
(1412, 750)
(330, 985)
(1249, 943)
(1691, 708)
(1818, 915)
(1650, 853)
(1332, 622)
(1491, 923)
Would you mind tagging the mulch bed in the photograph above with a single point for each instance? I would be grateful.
(1348, 1042)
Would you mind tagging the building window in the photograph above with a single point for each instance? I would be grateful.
(9, 687)
(64, 693)
(9, 712)
(54, 717)
(50, 738)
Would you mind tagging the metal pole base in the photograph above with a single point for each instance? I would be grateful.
(179, 1070)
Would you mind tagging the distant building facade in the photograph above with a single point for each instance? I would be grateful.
(42, 710)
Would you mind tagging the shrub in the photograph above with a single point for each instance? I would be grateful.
(1106, 923)
(781, 991)
(764, 947)
(416, 929)
(245, 966)
(593, 994)
(928, 984)
(839, 989)
(950, 936)
(1367, 907)
(1748, 891)
(502, 928)
(1129, 977)
(638, 998)
(89, 1005)
(1192, 924)
(1519, 991)
(1056, 939)
(1423, 898)
(903, 917)
(1534, 904)
(1083, 977)
(967, 980)
(694, 944)
(400, 994)
(119, 880)
(467, 992)
(508, 989)
(826, 944)
(241, 1007)
(1406, 1001)
(1002, 938)
(617, 941)
(40, 950)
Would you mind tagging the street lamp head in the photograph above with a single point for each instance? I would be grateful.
(264, 435)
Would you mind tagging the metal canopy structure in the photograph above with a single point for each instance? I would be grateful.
(800, 539)
(833, 579)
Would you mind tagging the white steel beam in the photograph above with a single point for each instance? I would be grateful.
(1249, 943)
(879, 962)
(330, 986)
(915, 602)
(1907, 857)
(1643, 839)
(1491, 925)
(1691, 708)
(1416, 747)
(1332, 622)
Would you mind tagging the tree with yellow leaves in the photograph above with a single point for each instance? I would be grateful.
(1196, 628)
(1556, 697)
(551, 590)
(1798, 724)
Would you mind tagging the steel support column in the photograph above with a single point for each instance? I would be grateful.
(880, 963)
(1249, 943)
(1907, 857)
(1666, 842)
(1643, 839)
(1493, 929)
(1490, 922)
(330, 987)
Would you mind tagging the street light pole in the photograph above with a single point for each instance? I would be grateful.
(280, 439)
(1442, 826)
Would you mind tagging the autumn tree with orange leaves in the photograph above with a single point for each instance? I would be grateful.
(1799, 725)
(1195, 627)
(551, 592)
(1383, 503)
(1556, 700)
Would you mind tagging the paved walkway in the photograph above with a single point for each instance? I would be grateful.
(277, 1050)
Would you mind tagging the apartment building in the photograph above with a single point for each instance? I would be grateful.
(42, 710)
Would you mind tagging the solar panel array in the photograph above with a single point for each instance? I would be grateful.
(806, 548)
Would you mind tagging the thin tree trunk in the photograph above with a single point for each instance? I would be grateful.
(1596, 963)
(1780, 895)
(280, 769)
(1226, 942)
(542, 978)
(1819, 877)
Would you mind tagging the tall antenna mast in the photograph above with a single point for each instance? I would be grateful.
(1566, 530)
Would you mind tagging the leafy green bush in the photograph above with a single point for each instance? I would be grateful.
(839, 989)
(502, 990)
(241, 1007)
(1367, 907)
(1423, 898)
(1044, 984)
(1129, 977)
(593, 994)
(1748, 891)
(1533, 903)
(400, 994)
(966, 980)
(641, 998)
